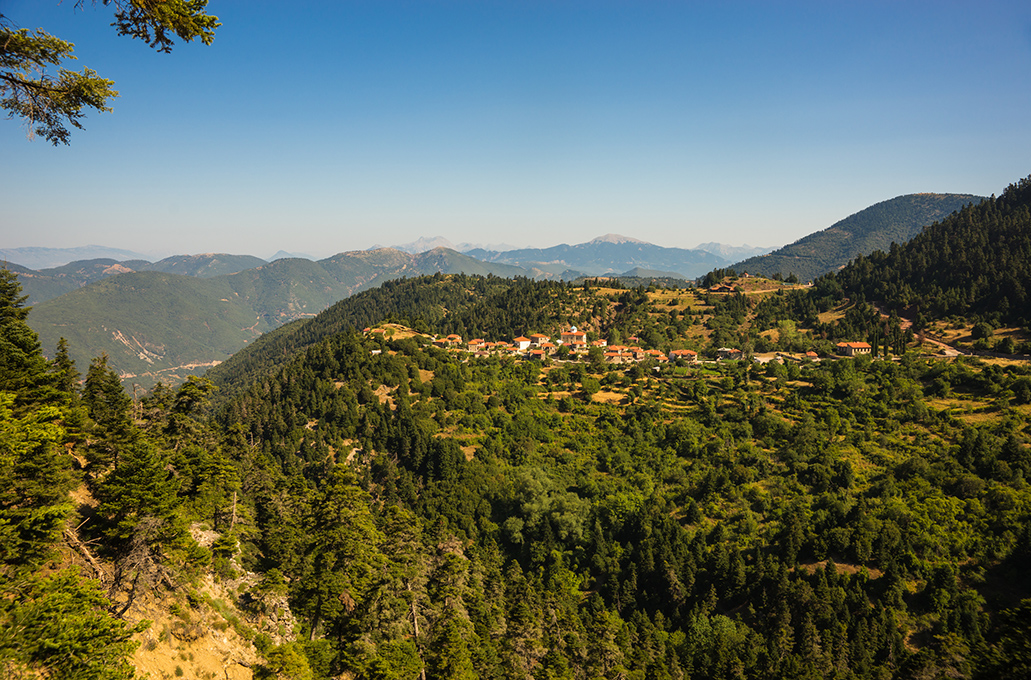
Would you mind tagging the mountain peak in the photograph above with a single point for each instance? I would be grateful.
(424, 244)
(281, 254)
(617, 238)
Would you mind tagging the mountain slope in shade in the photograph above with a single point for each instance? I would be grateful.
(641, 273)
(975, 263)
(875, 228)
(157, 325)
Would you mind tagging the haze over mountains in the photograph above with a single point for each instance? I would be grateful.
(43, 258)
(167, 319)
(609, 255)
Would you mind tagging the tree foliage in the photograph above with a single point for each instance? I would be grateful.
(50, 103)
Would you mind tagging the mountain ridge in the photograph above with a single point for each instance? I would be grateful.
(876, 227)
(152, 323)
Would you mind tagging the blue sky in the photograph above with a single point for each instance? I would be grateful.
(322, 127)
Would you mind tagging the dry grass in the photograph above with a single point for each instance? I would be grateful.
(841, 567)
(198, 641)
(396, 331)
(606, 397)
(383, 394)
(833, 315)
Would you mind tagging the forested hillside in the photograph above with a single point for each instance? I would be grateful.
(402, 510)
(471, 306)
(976, 263)
(165, 326)
(875, 228)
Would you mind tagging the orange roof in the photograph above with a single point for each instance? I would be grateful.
(520, 339)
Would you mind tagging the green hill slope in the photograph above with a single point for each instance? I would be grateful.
(152, 325)
(46, 284)
(472, 306)
(165, 326)
(875, 228)
(976, 263)
(207, 265)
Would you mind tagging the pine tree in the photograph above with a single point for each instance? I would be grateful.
(35, 479)
(110, 408)
(58, 627)
(63, 368)
(23, 368)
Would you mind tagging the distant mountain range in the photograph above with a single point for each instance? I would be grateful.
(45, 284)
(425, 243)
(43, 258)
(282, 254)
(732, 253)
(166, 319)
(608, 255)
(875, 228)
(595, 259)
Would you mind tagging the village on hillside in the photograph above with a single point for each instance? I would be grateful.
(572, 344)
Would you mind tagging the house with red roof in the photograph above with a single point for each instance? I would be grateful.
(574, 337)
(688, 355)
(851, 349)
(729, 353)
(537, 339)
